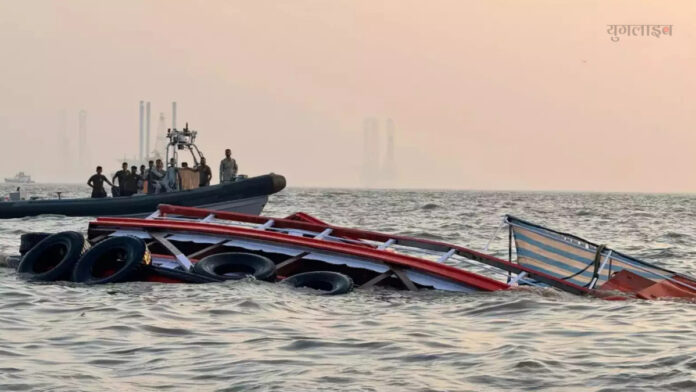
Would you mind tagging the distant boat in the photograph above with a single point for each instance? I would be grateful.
(20, 178)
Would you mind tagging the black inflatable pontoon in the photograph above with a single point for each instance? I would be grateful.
(247, 196)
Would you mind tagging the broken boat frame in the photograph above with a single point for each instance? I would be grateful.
(179, 236)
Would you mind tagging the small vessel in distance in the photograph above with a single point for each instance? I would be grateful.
(20, 178)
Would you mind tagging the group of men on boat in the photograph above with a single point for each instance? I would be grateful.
(155, 179)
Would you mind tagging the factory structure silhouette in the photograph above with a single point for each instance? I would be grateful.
(378, 171)
(76, 157)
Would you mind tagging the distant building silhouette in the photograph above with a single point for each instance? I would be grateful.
(63, 140)
(160, 139)
(82, 139)
(388, 173)
(370, 152)
(141, 128)
(147, 129)
(377, 172)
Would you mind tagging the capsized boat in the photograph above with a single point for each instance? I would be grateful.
(186, 244)
(301, 243)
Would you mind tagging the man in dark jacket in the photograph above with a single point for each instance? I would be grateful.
(130, 182)
(96, 182)
(150, 177)
(205, 173)
(121, 176)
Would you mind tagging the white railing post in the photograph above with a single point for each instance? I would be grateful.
(446, 256)
(266, 225)
(323, 234)
(599, 271)
(494, 235)
(387, 244)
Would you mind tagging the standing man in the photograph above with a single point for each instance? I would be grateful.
(205, 173)
(150, 177)
(157, 175)
(96, 182)
(130, 182)
(121, 175)
(142, 177)
(172, 179)
(228, 168)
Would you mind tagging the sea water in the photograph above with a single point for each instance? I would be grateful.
(255, 336)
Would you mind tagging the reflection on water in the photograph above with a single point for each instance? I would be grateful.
(259, 336)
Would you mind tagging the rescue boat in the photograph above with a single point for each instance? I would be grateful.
(245, 194)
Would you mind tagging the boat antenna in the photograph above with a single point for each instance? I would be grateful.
(181, 140)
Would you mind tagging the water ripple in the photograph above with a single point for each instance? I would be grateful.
(256, 336)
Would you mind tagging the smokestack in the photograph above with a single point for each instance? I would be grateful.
(371, 151)
(161, 137)
(389, 164)
(140, 157)
(147, 130)
(374, 146)
(390, 142)
(63, 139)
(174, 115)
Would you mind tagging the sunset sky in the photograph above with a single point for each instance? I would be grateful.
(519, 95)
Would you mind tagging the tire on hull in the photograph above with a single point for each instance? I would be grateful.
(235, 266)
(327, 282)
(53, 258)
(113, 260)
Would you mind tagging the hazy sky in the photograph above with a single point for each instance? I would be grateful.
(511, 94)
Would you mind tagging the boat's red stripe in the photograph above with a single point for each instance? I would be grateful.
(465, 277)
(373, 236)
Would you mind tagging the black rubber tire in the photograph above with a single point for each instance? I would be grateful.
(328, 282)
(123, 255)
(29, 240)
(235, 266)
(186, 277)
(53, 257)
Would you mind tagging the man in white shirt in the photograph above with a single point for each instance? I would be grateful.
(228, 168)
(171, 179)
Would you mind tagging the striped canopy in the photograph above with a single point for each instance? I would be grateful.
(572, 258)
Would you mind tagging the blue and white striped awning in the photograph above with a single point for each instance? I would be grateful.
(572, 258)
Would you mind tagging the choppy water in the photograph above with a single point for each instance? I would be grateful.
(247, 336)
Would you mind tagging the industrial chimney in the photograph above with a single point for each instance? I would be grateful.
(389, 165)
(147, 131)
(82, 137)
(174, 115)
(140, 157)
